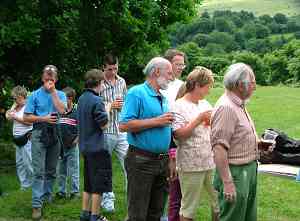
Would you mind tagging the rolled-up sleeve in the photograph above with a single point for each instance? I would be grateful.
(223, 126)
(30, 105)
(131, 108)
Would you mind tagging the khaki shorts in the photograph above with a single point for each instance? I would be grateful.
(192, 184)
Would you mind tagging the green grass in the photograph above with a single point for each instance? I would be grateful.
(258, 7)
(278, 198)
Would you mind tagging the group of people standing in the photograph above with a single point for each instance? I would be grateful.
(167, 137)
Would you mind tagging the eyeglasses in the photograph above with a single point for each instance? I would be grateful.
(180, 65)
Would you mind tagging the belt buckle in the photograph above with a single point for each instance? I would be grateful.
(162, 156)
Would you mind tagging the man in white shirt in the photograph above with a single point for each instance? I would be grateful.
(177, 59)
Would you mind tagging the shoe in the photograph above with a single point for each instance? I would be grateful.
(107, 202)
(61, 195)
(36, 214)
(98, 218)
(47, 199)
(74, 196)
(85, 217)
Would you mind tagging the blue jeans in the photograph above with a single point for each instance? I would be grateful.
(68, 166)
(44, 162)
(24, 165)
(117, 143)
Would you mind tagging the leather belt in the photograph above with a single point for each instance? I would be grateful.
(145, 153)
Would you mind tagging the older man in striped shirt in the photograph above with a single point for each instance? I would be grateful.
(235, 146)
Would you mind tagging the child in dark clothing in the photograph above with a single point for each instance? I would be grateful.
(68, 164)
(92, 117)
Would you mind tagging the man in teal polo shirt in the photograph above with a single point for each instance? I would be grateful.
(41, 109)
(146, 118)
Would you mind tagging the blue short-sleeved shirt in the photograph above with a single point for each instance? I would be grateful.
(40, 102)
(143, 102)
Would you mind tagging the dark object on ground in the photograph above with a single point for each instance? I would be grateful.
(286, 151)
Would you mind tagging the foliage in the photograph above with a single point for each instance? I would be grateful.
(242, 36)
(74, 35)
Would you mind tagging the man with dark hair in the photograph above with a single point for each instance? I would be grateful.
(113, 94)
(92, 117)
(177, 59)
(42, 108)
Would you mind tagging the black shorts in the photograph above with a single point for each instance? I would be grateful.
(97, 172)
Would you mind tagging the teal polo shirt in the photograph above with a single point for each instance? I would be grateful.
(40, 102)
(143, 102)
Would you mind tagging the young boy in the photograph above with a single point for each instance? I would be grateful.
(68, 164)
(21, 134)
(92, 117)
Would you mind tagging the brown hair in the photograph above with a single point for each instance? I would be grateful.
(199, 76)
(19, 91)
(171, 53)
(181, 91)
(51, 70)
(93, 78)
(70, 92)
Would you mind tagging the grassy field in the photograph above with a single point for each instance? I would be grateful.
(278, 198)
(258, 7)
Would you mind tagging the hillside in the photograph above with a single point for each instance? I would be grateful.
(258, 7)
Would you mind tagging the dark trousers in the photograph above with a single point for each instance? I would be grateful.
(174, 200)
(147, 187)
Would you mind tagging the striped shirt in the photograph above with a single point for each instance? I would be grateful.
(109, 94)
(233, 128)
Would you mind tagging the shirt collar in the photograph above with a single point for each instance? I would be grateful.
(235, 99)
(118, 78)
(91, 91)
(150, 90)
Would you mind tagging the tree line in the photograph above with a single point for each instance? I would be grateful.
(270, 44)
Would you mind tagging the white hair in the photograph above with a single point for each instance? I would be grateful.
(237, 73)
(157, 62)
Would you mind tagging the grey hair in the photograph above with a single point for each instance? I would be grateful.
(157, 62)
(237, 73)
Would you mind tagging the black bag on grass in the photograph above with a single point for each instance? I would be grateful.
(286, 151)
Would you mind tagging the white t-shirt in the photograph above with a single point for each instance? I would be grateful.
(172, 90)
(19, 128)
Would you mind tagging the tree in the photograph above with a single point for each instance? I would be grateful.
(224, 39)
(276, 67)
(255, 62)
(205, 15)
(262, 31)
(202, 39)
(223, 25)
(265, 19)
(249, 30)
(280, 18)
(258, 45)
(213, 49)
(193, 52)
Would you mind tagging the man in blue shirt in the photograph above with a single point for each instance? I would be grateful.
(42, 109)
(146, 118)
